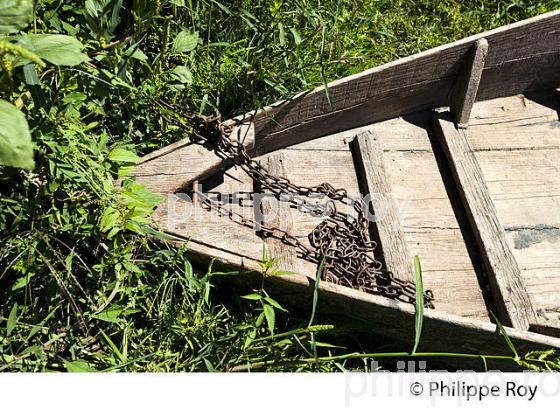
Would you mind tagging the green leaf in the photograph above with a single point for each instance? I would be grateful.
(419, 304)
(274, 303)
(209, 366)
(93, 8)
(252, 296)
(281, 273)
(16, 149)
(78, 366)
(139, 198)
(113, 346)
(270, 316)
(14, 15)
(297, 37)
(123, 155)
(180, 3)
(30, 75)
(181, 74)
(185, 41)
(318, 277)
(109, 219)
(110, 315)
(12, 317)
(57, 49)
(22, 281)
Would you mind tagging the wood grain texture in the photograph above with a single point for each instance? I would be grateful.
(276, 214)
(174, 168)
(522, 56)
(467, 83)
(520, 166)
(371, 170)
(432, 227)
(379, 315)
(510, 295)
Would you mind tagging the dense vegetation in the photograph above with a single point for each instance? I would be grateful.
(81, 286)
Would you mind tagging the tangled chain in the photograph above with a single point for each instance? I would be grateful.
(341, 241)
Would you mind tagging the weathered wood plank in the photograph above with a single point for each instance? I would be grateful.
(179, 217)
(509, 293)
(272, 213)
(516, 141)
(371, 171)
(174, 168)
(441, 331)
(466, 86)
(430, 222)
(530, 49)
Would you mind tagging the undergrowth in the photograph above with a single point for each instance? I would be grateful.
(82, 288)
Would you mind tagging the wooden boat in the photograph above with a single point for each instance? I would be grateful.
(465, 141)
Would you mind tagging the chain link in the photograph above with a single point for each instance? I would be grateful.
(342, 240)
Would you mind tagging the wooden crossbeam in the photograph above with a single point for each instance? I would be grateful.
(467, 83)
(276, 214)
(514, 307)
(371, 172)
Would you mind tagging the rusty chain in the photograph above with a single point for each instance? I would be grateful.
(342, 240)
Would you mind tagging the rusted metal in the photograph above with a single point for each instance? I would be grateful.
(341, 239)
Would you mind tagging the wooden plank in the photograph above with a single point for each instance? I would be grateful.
(530, 49)
(510, 296)
(520, 167)
(371, 170)
(174, 168)
(431, 224)
(379, 315)
(466, 86)
(272, 213)
(522, 56)
(188, 222)
(389, 318)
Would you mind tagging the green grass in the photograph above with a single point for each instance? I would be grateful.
(81, 286)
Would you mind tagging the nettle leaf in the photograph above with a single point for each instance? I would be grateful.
(181, 74)
(270, 317)
(14, 15)
(138, 195)
(57, 49)
(16, 149)
(185, 41)
(109, 219)
(12, 319)
(110, 315)
(123, 155)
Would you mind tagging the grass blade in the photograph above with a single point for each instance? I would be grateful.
(316, 289)
(419, 304)
(505, 335)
